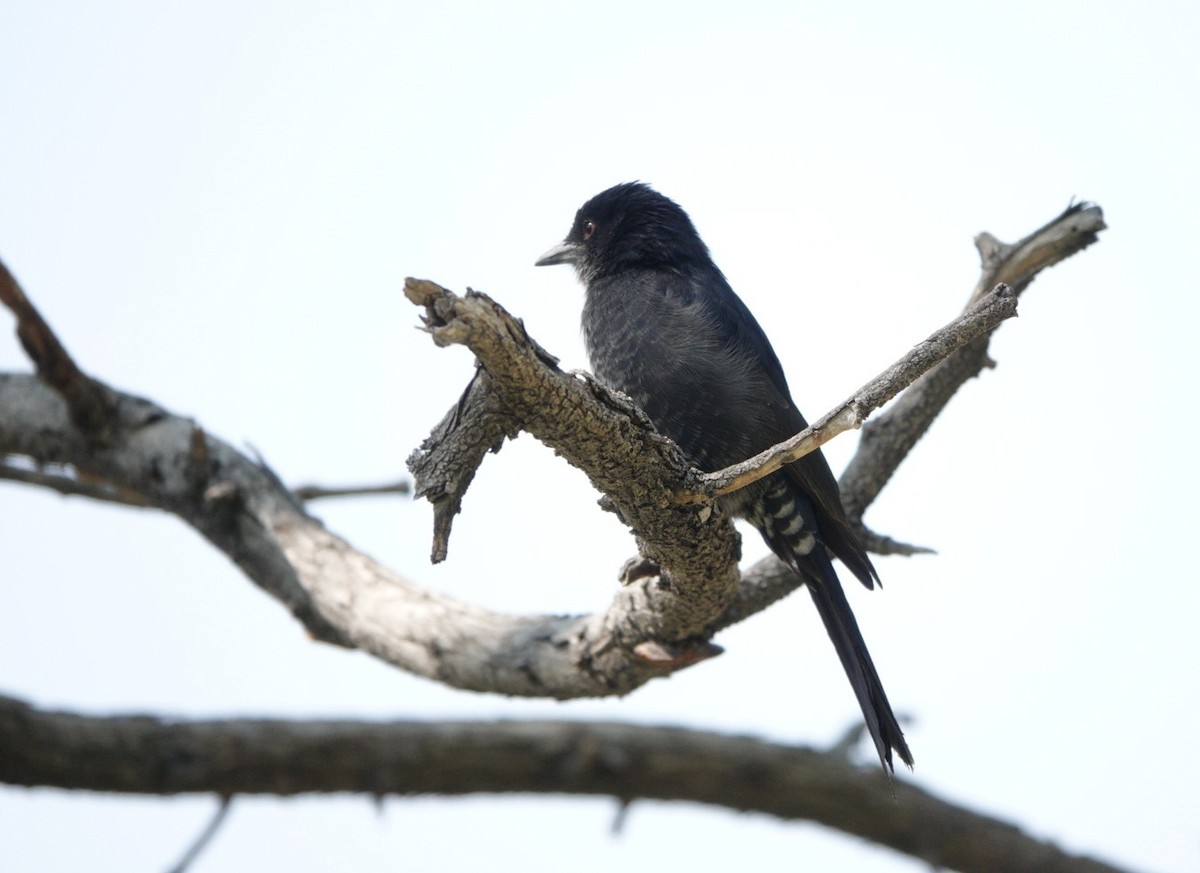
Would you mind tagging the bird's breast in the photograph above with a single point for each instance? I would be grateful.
(664, 352)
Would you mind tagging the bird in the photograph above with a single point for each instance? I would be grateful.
(662, 325)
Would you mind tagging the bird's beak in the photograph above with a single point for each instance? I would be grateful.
(563, 253)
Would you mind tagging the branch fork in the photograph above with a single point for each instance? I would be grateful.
(662, 619)
(66, 431)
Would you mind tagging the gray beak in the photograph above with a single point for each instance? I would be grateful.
(563, 253)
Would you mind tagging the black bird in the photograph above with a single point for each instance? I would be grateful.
(662, 325)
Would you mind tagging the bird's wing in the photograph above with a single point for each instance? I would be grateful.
(814, 477)
(741, 331)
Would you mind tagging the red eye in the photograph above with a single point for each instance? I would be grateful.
(589, 228)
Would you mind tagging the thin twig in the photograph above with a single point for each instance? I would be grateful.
(989, 312)
(320, 492)
(205, 837)
(888, 438)
(70, 486)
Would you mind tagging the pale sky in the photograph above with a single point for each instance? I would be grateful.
(215, 205)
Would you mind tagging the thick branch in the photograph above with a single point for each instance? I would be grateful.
(462, 436)
(610, 441)
(145, 755)
(637, 471)
(347, 598)
(654, 625)
(115, 446)
(131, 447)
(341, 595)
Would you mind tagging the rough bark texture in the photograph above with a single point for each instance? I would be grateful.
(70, 431)
(341, 595)
(611, 441)
(66, 431)
(627, 762)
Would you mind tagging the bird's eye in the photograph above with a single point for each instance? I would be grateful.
(589, 228)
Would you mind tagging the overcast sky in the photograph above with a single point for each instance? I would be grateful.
(215, 204)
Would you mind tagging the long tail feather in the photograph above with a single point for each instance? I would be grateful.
(843, 630)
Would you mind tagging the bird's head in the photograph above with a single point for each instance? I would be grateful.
(629, 226)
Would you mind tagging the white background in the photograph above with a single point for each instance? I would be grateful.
(215, 205)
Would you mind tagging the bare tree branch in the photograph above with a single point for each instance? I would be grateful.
(340, 595)
(979, 319)
(658, 622)
(614, 444)
(146, 755)
(66, 482)
(887, 439)
(66, 431)
(446, 461)
(458, 320)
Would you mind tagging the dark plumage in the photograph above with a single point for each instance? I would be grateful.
(662, 325)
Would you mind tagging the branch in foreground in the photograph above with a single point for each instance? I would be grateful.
(607, 438)
(640, 473)
(984, 317)
(145, 755)
(656, 624)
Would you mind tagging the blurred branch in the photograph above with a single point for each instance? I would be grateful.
(89, 402)
(201, 842)
(147, 755)
(321, 492)
(67, 483)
